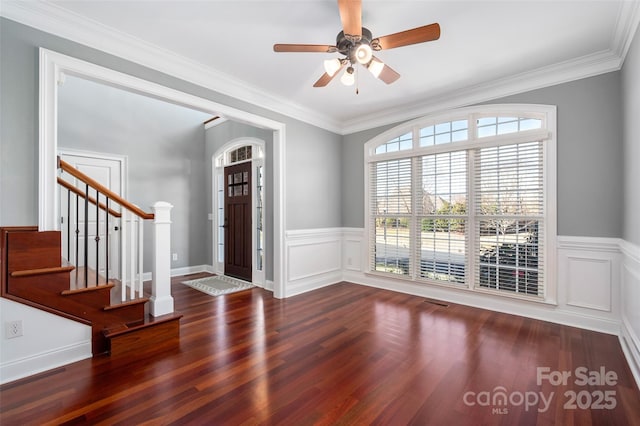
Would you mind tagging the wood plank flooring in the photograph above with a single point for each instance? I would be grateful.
(345, 354)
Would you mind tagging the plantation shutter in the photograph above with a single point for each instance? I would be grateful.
(442, 217)
(509, 213)
(390, 219)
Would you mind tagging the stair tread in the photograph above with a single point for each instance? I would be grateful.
(126, 303)
(106, 286)
(149, 321)
(42, 271)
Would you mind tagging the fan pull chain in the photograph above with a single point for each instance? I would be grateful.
(357, 81)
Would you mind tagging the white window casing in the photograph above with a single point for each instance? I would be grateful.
(466, 199)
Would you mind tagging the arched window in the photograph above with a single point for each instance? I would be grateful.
(466, 199)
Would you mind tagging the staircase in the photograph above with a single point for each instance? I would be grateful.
(101, 230)
(33, 272)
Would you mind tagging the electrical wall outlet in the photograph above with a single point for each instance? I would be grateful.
(174, 256)
(13, 329)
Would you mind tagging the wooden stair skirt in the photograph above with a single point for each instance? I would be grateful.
(152, 335)
(32, 272)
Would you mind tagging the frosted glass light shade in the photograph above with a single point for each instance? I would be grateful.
(331, 66)
(364, 54)
(348, 78)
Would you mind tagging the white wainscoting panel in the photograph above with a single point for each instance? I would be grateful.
(589, 276)
(314, 259)
(630, 334)
(352, 249)
(589, 283)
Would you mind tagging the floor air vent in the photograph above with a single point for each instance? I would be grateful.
(436, 302)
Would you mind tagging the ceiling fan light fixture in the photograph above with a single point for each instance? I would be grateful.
(363, 53)
(331, 66)
(348, 78)
(375, 67)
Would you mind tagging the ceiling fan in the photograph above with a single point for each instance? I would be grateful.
(357, 45)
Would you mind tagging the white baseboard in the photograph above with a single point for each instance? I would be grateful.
(184, 270)
(631, 349)
(312, 283)
(507, 305)
(49, 360)
(630, 289)
(590, 301)
(268, 285)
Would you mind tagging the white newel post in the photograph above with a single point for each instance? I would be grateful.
(161, 299)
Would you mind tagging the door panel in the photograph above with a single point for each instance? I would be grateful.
(237, 261)
(107, 172)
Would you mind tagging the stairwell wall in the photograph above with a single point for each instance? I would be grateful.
(42, 346)
(164, 146)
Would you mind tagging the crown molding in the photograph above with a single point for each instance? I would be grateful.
(591, 65)
(608, 60)
(626, 27)
(60, 22)
(564, 72)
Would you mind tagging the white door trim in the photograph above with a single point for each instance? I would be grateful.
(218, 163)
(122, 159)
(54, 66)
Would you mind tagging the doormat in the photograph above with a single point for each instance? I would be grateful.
(218, 285)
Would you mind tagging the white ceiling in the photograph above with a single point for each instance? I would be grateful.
(486, 49)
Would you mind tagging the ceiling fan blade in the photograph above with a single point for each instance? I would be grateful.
(326, 78)
(351, 16)
(323, 48)
(388, 74)
(404, 38)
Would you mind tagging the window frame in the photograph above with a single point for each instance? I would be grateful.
(547, 134)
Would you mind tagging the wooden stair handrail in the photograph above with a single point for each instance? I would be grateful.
(91, 199)
(103, 189)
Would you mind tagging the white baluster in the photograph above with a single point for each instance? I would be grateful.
(132, 257)
(140, 256)
(123, 254)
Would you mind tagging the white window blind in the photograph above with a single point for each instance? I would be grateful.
(509, 201)
(391, 205)
(442, 217)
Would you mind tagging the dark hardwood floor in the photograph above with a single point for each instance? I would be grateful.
(345, 354)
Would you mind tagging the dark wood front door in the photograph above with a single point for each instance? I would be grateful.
(237, 218)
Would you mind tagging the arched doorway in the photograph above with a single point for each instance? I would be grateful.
(239, 186)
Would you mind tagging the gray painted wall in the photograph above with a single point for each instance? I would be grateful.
(631, 109)
(590, 157)
(353, 174)
(314, 179)
(305, 144)
(216, 137)
(590, 151)
(164, 146)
